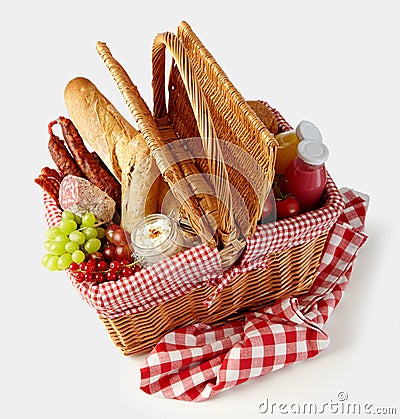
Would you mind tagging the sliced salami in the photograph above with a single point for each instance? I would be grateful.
(80, 196)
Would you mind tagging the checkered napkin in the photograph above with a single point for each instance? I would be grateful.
(197, 362)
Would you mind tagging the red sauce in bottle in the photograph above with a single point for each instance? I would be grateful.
(306, 174)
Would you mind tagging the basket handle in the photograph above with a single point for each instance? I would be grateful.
(151, 132)
(219, 175)
(133, 99)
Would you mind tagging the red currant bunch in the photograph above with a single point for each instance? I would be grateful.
(98, 271)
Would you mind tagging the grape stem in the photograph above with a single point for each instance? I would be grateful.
(94, 225)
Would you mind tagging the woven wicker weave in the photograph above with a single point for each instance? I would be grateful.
(290, 272)
(202, 102)
(213, 195)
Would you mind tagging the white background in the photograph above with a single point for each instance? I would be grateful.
(335, 63)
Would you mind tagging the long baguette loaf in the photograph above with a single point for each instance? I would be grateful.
(98, 122)
(120, 147)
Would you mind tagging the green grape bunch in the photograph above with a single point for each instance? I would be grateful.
(71, 241)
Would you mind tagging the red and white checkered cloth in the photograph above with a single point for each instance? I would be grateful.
(197, 362)
(200, 265)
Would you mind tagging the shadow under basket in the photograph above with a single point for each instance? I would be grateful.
(290, 272)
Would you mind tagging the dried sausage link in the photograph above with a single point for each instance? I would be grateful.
(48, 186)
(87, 162)
(51, 173)
(61, 156)
(101, 163)
(55, 184)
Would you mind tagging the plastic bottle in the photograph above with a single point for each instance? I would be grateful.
(289, 140)
(306, 174)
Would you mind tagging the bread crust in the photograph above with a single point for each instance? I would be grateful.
(122, 149)
(265, 114)
(99, 123)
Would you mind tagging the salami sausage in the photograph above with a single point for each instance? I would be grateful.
(80, 196)
(88, 163)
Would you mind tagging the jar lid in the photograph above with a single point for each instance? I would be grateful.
(313, 152)
(306, 130)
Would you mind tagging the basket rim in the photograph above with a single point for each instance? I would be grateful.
(113, 299)
(287, 233)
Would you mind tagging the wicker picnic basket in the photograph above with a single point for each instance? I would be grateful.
(203, 103)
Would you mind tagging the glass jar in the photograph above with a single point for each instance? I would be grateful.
(289, 140)
(306, 174)
(156, 237)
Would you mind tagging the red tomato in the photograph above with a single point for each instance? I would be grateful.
(287, 207)
(268, 208)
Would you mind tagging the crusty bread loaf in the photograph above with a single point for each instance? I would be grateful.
(265, 114)
(140, 183)
(121, 148)
(98, 122)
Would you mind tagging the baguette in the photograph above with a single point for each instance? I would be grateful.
(98, 122)
(140, 183)
(120, 146)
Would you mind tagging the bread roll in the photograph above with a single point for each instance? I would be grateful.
(265, 114)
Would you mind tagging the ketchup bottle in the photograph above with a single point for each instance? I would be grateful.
(306, 174)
